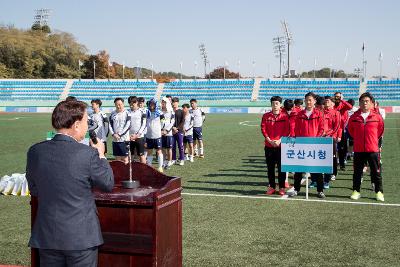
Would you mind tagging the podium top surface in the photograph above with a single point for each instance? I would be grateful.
(153, 186)
(122, 196)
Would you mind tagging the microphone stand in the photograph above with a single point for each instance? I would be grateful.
(130, 183)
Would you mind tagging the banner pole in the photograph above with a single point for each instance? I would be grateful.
(306, 186)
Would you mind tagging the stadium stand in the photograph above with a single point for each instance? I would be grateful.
(40, 90)
(108, 90)
(298, 88)
(210, 89)
(385, 89)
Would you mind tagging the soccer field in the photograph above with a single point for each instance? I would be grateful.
(227, 219)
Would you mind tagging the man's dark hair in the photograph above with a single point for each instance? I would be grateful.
(71, 98)
(185, 106)
(338, 93)
(140, 99)
(193, 100)
(351, 101)
(97, 101)
(319, 100)
(168, 96)
(329, 97)
(367, 94)
(311, 94)
(118, 99)
(175, 99)
(132, 99)
(276, 98)
(288, 104)
(298, 102)
(66, 113)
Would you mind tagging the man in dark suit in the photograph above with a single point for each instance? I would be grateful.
(61, 173)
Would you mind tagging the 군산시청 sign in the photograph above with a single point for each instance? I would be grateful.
(307, 154)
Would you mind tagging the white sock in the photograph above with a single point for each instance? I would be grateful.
(160, 160)
(201, 151)
(149, 160)
(145, 154)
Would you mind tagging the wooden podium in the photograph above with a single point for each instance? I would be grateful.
(141, 227)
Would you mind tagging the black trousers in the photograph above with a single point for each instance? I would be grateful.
(273, 158)
(327, 177)
(342, 150)
(360, 159)
(314, 177)
(68, 258)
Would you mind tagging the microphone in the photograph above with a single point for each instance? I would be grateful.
(92, 134)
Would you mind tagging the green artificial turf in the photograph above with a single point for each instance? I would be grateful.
(226, 231)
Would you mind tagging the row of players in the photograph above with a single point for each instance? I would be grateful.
(144, 129)
(326, 117)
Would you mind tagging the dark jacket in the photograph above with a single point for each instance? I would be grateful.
(61, 173)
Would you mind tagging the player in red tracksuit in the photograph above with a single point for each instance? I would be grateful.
(366, 127)
(309, 123)
(274, 125)
(332, 128)
(298, 105)
(288, 108)
(343, 107)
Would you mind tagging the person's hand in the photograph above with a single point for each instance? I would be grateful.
(133, 137)
(277, 142)
(116, 136)
(338, 140)
(99, 146)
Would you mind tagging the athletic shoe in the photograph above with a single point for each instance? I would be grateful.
(345, 161)
(201, 156)
(282, 191)
(355, 195)
(365, 169)
(173, 162)
(181, 163)
(379, 196)
(186, 156)
(291, 193)
(312, 184)
(321, 195)
(326, 185)
(191, 159)
(333, 178)
(372, 187)
(270, 191)
(287, 185)
(160, 169)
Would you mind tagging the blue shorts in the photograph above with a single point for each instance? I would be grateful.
(197, 133)
(119, 149)
(188, 139)
(153, 143)
(166, 141)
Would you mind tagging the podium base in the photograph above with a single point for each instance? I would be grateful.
(130, 184)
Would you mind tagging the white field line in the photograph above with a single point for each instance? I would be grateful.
(285, 198)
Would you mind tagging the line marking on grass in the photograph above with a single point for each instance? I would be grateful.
(246, 123)
(285, 198)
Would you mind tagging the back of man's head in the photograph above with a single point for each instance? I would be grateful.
(66, 113)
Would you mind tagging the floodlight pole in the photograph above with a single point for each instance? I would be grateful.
(289, 40)
(398, 68)
(152, 71)
(238, 63)
(181, 65)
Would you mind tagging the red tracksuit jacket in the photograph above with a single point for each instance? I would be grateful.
(292, 121)
(309, 127)
(332, 123)
(274, 126)
(343, 108)
(366, 134)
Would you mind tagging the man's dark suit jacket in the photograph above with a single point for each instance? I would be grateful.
(62, 172)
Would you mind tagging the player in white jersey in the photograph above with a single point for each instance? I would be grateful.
(101, 119)
(137, 129)
(198, 118)
(120, 122)
(153, 135)
(188, 132)
(167, 123)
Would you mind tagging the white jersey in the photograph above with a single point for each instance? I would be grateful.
(153, 126)
(138, 123)
(167, 122)
(101, 130)
(188, 125)
(198, 117)
(120, 123)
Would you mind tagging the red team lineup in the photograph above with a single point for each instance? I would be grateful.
(328, 116)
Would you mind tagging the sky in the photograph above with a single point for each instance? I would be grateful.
(165, 33)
